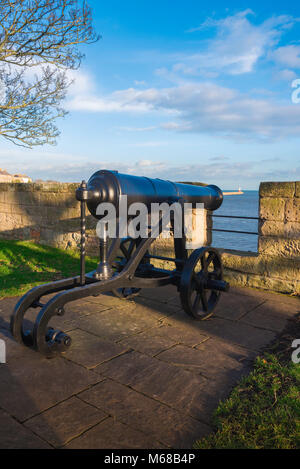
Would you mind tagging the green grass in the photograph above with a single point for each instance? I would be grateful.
(263, 410)
(24, 265)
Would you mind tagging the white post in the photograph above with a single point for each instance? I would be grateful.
(2, 351)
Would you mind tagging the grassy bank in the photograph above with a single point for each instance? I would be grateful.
(24, 265)
(263, 411)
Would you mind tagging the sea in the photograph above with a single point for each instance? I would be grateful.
(245, 204)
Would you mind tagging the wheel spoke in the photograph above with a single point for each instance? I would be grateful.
(131, 247)
(200, 274)
(210, 258)
(204, 301)
(124, 251)
(198, 281)
(196, 302)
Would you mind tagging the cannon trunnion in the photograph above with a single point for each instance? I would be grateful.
(125, 262)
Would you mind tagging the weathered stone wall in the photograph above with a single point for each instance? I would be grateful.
(276, 267)
(48, 213)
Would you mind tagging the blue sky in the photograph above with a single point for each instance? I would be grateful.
(181, 91)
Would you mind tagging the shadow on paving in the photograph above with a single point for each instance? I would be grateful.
(139, 374)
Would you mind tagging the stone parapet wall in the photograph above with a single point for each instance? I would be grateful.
(48, 213)
(276, 266)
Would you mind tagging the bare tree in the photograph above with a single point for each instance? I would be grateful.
(38, 43)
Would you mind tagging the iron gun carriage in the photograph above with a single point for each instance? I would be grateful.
(125, 261)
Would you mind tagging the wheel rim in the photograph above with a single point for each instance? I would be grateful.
(197, 299)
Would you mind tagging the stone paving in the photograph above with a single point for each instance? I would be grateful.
(140, 374)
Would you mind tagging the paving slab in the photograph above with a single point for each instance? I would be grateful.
(14, 435)
(172, 428)
(167, 294)
(65, 421)
(111, 433)
(162, 381)
(89, 350)
(213, 358)
(266, 295)
(145, 343)
(140, 373)
(29, 386)
(110, 300)
(190, 336)
(6, 308)
(271, 315)
(235, 332)
(118, 323)
(234, 307)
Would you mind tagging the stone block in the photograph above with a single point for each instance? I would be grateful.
(6, 186)
(271, 284)
(4, 207)
(277, 247)
(272, 208)
(9, 197)
(280, 229)
(292, 210)
(297, 288)
(235, 278)
(279, 267)
(244, 263)
(277, 189)
(53, 199)
(12, 222)
(26, 198)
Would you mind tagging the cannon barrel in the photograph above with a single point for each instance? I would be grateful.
(108, 186)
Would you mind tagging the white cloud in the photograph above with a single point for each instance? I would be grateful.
(286, 75)
(205, 108)
(287, 55)
(238, 44)
(219, 170)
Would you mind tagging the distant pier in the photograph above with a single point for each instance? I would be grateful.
(233, 193)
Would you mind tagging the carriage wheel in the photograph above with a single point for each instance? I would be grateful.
(202, 268)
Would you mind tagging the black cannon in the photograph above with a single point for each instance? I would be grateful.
(125, 262)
